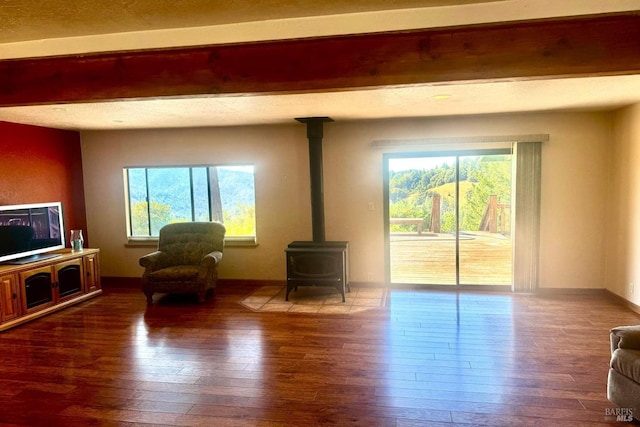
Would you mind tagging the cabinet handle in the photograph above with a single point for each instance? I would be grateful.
(14, 296)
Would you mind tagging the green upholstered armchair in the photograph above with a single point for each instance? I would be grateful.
(623, 383)
(186, 260)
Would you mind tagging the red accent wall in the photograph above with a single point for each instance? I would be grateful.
(43, 165)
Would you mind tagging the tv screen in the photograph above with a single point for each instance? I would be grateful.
(29, 231)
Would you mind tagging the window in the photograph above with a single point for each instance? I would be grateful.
(157, 196)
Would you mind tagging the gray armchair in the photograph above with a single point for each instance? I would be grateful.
(623, 384)
(186, 260)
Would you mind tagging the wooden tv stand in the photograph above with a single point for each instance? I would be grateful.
(32, 290)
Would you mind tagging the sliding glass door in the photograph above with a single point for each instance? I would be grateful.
(449, 218)
(484, 229)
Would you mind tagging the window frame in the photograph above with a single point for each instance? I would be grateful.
(150, 240)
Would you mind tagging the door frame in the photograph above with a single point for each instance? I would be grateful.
(385, 212)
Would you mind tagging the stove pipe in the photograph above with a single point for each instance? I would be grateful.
(315, 134)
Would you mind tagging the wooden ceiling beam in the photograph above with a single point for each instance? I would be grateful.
(584, 46)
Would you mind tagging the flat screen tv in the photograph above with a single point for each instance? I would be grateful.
(28, 232)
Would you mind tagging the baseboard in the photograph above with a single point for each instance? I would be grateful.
(135, 282)
(570, 291)
(368, 285)
(120, 282)
(623, 301)
(595, 292)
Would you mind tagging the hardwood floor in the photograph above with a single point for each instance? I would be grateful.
(427, 359)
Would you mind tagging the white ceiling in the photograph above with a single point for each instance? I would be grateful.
(422, 101)
(46, 27)
(33, 20)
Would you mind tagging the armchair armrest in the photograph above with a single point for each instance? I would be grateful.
(153, 261)
(211, 259)
(627, 337)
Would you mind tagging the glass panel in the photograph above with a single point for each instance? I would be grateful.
(485, 220)
(422, 220)
(138, 202)
(69, 280)
(238, 195)
(38, 289)
(200, 194)
(205, 193)
(169, 196)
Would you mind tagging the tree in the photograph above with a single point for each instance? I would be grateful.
(411, 191)
(241, 222)
(160, 215)
(491, 176)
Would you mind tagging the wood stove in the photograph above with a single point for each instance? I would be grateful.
(318, 262)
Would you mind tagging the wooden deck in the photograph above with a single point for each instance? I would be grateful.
(429, 258)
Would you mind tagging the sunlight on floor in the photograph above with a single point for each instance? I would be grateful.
(448, 341)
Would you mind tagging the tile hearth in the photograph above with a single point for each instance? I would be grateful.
(312, 299)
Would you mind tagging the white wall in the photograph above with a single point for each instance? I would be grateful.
(573, 188)
(623, 226)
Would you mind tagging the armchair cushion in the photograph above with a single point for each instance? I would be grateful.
(623, 382)
(625, 337)
(627, 363)
(176, 273)
(186, 260)
(155, 260)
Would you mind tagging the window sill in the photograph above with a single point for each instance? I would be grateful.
(245, 242)
(151, 242)
(141, 242)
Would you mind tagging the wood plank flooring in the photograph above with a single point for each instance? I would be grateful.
(428, 358)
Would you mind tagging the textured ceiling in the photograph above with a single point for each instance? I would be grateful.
(420, 101)
(27, 26)
(26, 20)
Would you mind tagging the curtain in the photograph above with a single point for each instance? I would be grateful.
(526, 242)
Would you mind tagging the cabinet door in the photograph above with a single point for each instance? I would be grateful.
(69, 279)
(9, 302)
(36, 287)
(92, 272)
